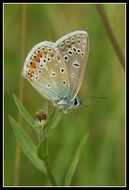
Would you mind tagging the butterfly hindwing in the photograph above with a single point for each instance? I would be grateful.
(46, 71)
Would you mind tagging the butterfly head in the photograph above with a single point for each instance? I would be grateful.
(76, 102)
(66, 104)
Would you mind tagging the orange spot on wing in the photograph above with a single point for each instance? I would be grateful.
(40, 54)
(45, 51)
(33, 65)
(37, 59)
(30, 74)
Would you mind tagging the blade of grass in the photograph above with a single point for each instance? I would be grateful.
(24, 112)
(111, 34)
(75, 161)
(28, 147)
(21, 87)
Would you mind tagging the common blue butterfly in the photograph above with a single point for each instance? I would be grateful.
(56, 70)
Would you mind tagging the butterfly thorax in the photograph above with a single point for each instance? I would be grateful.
(65, 104)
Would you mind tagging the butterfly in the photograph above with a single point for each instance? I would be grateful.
(56, 70)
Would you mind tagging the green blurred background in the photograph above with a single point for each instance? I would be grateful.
(103, 158)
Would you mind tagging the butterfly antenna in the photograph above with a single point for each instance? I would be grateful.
(97, 97)
(83, 104)
(93, 97)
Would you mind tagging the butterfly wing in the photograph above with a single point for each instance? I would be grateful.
(46, 71)
(74, 49)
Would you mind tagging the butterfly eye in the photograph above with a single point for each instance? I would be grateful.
(76, 102)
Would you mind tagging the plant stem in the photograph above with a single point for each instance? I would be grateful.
(21, 91)
(49, 172)
(111, 34)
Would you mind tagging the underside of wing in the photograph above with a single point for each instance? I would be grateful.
(46, 71)
(74, 49)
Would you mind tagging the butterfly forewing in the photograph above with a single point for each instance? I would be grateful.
(46, 71)
(74, 49)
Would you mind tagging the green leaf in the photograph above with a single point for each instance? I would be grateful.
(75, 161)
(28, 147)
(42, 149)
(52, 122)
(24, 112)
